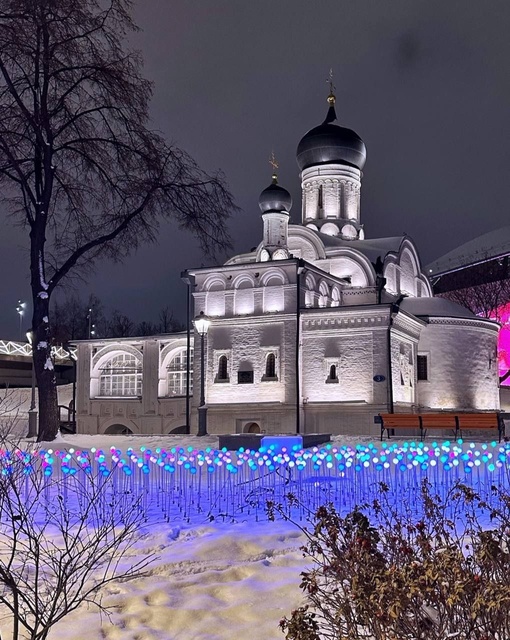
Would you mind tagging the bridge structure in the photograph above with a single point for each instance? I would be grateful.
(16, 364)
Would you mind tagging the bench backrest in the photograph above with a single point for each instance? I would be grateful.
(400, 420)
(478, 420)
(439, 420)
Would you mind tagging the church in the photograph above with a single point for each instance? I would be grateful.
(316, 330)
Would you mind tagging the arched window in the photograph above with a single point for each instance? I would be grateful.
(270, 367)
(332, 374)
(121, 376)
(177, 374)
(222, 368)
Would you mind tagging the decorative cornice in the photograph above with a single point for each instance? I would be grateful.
(474, 323)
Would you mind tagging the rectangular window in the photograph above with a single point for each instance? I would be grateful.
(423, 369)
(245, 377)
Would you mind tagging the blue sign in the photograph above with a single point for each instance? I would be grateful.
(379, 378)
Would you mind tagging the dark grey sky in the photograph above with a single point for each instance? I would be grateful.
(426, 84)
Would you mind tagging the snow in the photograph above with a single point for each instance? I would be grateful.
(211, 581)
(490, 245)
(220, 580)
(48, 364)
(42, 345)
(435, 307)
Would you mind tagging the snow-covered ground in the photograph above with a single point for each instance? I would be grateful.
(211, 580)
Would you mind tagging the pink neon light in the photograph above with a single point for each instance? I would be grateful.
(503, 317)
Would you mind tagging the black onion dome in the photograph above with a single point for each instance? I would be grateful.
(330, 144)
(275, 198)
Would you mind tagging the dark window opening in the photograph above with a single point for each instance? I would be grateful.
(222, 375)
(423, 373)
(245, 377)
(332, 377)
(270, 373)
(320, 197)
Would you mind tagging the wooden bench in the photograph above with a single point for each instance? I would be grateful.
(399, 421)
(454, 421)
(482, 421)
(439, 421)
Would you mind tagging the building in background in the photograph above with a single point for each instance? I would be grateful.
(477, 276)
(133, 385)
(316, 330)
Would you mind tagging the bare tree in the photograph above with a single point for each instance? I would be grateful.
(79, 167)
(168, 322)
(62, 539)
(70, 318)
(119, 326)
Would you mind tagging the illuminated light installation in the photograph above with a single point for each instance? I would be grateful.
(503, 316)
(187, 483)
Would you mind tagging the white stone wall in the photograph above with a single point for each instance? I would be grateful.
(462, 365)
(341, 188)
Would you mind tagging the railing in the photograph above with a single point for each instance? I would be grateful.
(24, 349)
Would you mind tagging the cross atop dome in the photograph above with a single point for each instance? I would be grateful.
(274, 164)
(332, 88)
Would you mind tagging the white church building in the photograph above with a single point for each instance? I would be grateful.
(317, 330)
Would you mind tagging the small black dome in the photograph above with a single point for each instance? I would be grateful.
(329, 144)
(275, 198)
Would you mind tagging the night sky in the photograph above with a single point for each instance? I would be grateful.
(426, 85)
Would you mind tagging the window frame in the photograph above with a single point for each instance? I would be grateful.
(180, 373)
(419, 357)
(121, 376)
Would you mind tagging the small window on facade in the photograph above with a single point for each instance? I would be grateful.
(320, 197)
(332, 375)
(423, 373)
(270, 365)
(222, 369)
(245, 377)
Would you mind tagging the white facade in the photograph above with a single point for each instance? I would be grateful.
(135, 385)
(317, 330)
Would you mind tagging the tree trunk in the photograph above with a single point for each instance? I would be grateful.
(44, 371)
(41, 342)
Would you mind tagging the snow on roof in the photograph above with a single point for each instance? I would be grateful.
(435, 307)
(489, 245)
(372, 249)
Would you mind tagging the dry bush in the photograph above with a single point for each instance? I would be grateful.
(435, 569)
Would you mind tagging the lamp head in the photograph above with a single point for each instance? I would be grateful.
(201, 323)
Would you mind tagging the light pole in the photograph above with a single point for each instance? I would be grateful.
(74, 359)
(20, 310)
(32, 412)
(202, 323)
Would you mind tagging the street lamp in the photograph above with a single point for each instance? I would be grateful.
(20, 308)
(202, 323)
(32, 412)
(74, 359)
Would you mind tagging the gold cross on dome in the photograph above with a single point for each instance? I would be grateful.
(332, 87)
(273, 162)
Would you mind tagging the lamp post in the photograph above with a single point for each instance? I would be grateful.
(74, 359)
(20, 308)
(32, 412)
(202, 323)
